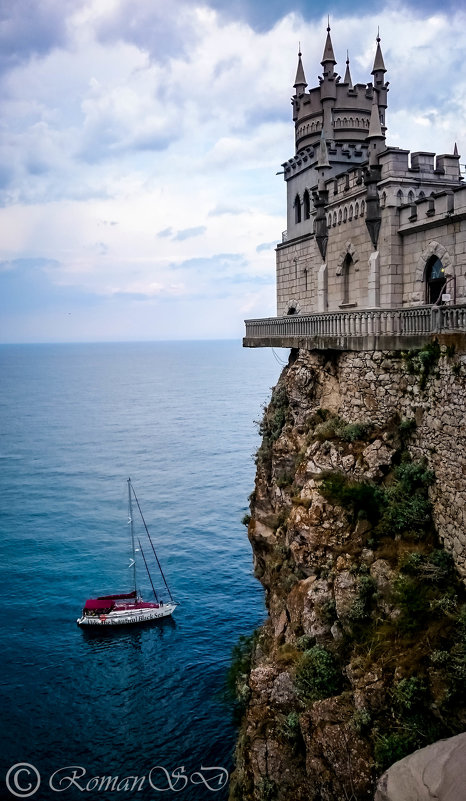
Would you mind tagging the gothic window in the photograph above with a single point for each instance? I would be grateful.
(329, 220)
(351, 122)
(410, 196)
(346, 277)
(362, 208)
(350, 216)
(435, 280)
(334, 222)
(421, 194)
(345, 214)
(356, 211)
(399, 198)
(383, 199)
(340, 217)
(306, 205)
(297, 209)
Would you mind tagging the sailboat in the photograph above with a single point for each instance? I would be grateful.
(128, 608)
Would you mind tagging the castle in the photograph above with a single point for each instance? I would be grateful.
(374, 254)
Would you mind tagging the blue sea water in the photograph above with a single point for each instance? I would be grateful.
(75, 422)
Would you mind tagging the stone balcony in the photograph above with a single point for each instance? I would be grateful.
(365, 329)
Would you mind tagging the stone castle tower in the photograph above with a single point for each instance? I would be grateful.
(369, 227)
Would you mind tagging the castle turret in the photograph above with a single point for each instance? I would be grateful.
(347, 80)
(300, 80)
(380, 86)
(328, 89)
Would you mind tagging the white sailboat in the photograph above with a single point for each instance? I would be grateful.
(128, 608)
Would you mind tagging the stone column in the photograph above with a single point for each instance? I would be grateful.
(373, 288)
(322, 288)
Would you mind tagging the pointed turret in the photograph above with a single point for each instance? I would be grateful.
(379, 65)
(347, 78)
(323, 153)
(455, 150)
(380, 85)
(328, 56)
(300, 81)
(375, 128)
(328, 90)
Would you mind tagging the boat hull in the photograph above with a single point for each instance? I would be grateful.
(127, 617)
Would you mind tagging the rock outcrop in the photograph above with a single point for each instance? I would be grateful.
(435, 772)
(357, 531)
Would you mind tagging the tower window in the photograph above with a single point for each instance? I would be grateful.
(297, 209)
(346, 277)
(435, 280)
(307, 205)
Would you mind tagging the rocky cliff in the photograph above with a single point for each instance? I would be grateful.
(358, 533)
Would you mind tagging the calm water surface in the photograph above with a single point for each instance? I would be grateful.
(76, 421)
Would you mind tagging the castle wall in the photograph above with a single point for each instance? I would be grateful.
(433, 224)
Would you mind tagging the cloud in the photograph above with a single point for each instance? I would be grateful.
(140, 142)
(266, 246)
(29, 28)
(189, 233)
(220, 210)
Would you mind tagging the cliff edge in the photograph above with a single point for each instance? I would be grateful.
(359, 539)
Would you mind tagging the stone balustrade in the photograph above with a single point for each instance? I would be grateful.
(365, 329)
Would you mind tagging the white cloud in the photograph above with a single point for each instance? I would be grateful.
(169, 124)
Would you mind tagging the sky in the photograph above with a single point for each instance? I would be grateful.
(140, 142)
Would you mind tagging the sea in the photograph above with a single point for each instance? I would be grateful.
(136, 712)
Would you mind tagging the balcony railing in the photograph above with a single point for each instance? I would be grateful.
(368, 324)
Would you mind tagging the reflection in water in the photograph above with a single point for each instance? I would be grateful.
(106, 636)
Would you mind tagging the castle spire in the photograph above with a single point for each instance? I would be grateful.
(347, 78)
(300, 81)
(375, 128)
(328, 55)
(379, 65)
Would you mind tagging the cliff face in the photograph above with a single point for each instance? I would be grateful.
(359, 539)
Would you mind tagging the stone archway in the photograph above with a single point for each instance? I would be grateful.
(350, 251)
(433, 249)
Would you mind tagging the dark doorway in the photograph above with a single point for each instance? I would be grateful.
(435, 280)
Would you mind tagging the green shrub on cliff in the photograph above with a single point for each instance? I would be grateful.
(272, 424)
(237, 679)
(317, 674)
(360, 498)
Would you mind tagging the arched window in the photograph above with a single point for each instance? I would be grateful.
(334, 221)
(383, 199)
(297, 209)
(306, 205)
(350, 215)
(346, 277)
(410, 196)
(345, 214)
(356, 211)
(422, 194)
(329, 220)
(399, 198)
(435, 280)
(362, 207)
(340, 217)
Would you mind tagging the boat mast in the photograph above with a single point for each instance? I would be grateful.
(152, 544)
(133, 547)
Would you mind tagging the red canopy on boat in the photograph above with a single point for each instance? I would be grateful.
(119, 597)
(98, 603)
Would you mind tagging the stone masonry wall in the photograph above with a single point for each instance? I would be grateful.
(372, 387)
